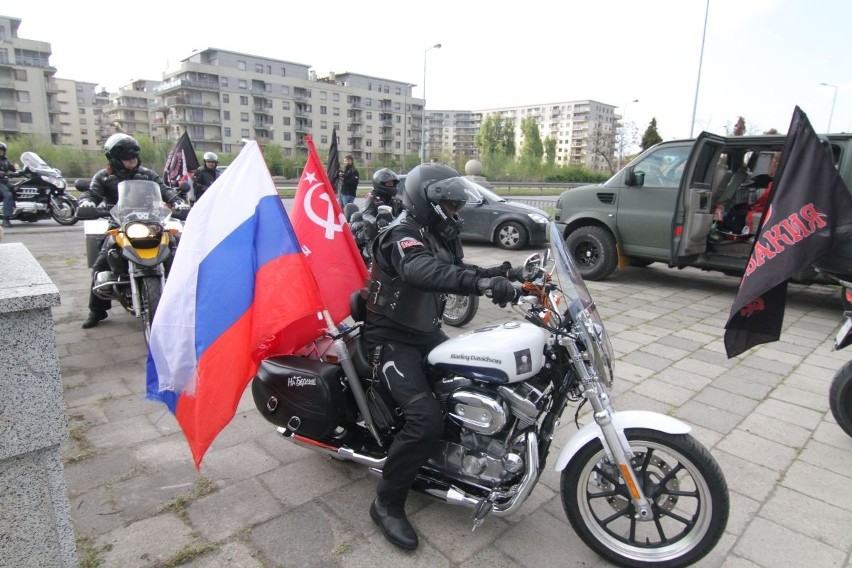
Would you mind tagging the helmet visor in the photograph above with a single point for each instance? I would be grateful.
(456, 192)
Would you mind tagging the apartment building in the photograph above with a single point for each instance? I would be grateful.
(582, 129)
(221, 97)
(452, 134)
(80, 106)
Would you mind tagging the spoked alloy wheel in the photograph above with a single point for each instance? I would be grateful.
(460, 309)
(63, 210)
(151, 289)
(688, 494)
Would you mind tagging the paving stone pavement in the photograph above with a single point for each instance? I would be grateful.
(260, 501)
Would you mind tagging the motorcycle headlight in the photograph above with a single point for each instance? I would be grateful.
(138, 231)
(537, 218)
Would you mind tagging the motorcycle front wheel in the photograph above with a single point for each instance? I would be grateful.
(151, 289)
(686, 488)
(63, 210)
(840, 397)
(460, 309)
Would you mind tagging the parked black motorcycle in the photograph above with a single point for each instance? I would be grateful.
(40, 193)
(839, 268)
(635, 486)
(459, 309)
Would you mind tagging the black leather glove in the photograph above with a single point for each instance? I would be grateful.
(498, 270)
(515, 274)
(382, 223)
(502, 291)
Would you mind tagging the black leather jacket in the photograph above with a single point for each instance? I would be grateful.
(6, 168)
(104, 186)
(370, 211)
(410, 273)
(203, 179)
(349, 183)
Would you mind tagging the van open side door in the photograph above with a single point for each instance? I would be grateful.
(693, 216)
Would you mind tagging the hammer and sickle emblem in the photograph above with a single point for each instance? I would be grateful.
(328, 223)
(755, 305)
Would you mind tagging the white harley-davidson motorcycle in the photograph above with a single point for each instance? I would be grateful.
(635, 486)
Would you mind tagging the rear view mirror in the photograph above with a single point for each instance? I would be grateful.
(632, 177)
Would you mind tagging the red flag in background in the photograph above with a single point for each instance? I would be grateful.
(181, 162)
(809, 211)
(326, 239)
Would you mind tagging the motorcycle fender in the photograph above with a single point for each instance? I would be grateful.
(622, 421)
(146, 257)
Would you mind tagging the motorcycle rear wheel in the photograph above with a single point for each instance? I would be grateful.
(151, 289)
(840, 397)
(460, 309)
(63, 210)
(686, 487)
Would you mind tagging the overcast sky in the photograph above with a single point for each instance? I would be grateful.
(761, 57)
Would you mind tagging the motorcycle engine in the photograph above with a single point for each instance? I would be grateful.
(490, 418)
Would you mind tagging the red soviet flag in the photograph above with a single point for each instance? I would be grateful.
(326, 240)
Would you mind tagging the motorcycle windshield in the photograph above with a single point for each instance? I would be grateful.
(34, 163)
(581, 307)
(140, 200)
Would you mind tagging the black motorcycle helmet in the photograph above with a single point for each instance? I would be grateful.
(3, 147)
(433, 195)
(384, 183)
(120, 147)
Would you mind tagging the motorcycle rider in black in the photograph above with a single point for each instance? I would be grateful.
(122, 153)
(385, 183)
(205, 176)
(6, 168)
(415, 261)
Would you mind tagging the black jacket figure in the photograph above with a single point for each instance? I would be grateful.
(6, 169)
(349, 178)
(385, 184)
(122, 153)
(416, 260)
(204, 178)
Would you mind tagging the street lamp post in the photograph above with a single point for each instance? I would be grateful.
(700, 60)
(623, 126)
(423, 113)
(833, 100)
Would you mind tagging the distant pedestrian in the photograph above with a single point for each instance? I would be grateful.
(6, 168)
(349, 178)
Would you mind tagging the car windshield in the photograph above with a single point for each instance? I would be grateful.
(488, 194)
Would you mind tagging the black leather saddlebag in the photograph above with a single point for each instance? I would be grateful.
(304, 395)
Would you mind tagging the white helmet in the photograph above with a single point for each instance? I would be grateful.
(211, 157)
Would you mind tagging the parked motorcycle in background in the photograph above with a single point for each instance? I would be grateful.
(635, 486)
(839, 267)
(41, 193)
(459, 309)
(142, 240)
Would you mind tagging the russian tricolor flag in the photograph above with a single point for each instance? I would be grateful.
(239, 290)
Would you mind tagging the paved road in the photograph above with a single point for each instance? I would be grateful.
(260, 501)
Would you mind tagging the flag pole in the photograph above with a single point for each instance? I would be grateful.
(351, 376)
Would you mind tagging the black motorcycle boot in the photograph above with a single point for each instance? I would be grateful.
(394, 524)
(94, 319)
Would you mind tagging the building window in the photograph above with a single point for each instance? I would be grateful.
(23, 96)
(323, 125)
(243, 100)
(223, 81)
(241, 65)
(369, 143)
(369, 115)
(226, 98)
(323, 95)
(258, 67)
(243, 117)
(335, 97)
(323, 140)
(286, 121)
(285, 105)
(242, 84)
(244, 133)
(226, 115)
(227, 131)
(323, 110)
(20, 74)
(287, 136)
(26, 117)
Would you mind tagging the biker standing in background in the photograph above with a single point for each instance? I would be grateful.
(123, 164)
(6, 168)
(416, 260)
(205, 176)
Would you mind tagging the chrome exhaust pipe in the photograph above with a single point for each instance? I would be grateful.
(340, 453)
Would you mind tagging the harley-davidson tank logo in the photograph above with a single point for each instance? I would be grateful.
(301, 381)
(480, 358)
(523, 361)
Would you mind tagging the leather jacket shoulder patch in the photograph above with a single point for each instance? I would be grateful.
(408, 243)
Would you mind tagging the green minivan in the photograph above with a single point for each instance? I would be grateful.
(694, 202)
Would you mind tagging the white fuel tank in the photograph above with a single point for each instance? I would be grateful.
(500, 353)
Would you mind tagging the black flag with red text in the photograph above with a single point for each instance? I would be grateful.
(808, 208)
(181, 162)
